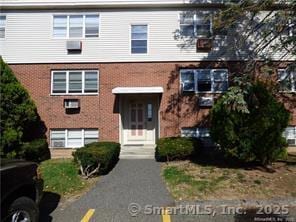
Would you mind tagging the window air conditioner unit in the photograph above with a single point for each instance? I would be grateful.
(74, 45)
(71, 103)
(204, 44)
(206, 101)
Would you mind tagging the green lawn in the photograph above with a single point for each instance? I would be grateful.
(61, 176)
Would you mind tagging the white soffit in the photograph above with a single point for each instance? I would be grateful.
(136, 90)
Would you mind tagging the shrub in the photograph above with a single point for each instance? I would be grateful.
(175, 148)
(97, 157)
(250, 127)
(36, 150)
(20, 121)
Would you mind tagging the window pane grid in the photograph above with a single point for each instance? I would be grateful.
(76, 82)
(59, 82)
(139, 38)
(204, 80)
(73, 138)
(76, 26)
(192, 24)
(57, 138)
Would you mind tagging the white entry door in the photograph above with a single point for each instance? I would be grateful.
(139, 120)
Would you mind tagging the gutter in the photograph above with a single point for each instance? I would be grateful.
(9, 5)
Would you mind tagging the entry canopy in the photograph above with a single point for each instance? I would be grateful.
(137, 90)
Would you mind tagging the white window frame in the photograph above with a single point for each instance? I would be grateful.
(291, 79)
(68, 25)
(4, 26)
(130, 37)
(196, 79)
(66, 136)
(195, 16)
(83, 82)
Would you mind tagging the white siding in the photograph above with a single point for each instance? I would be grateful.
(28, 39)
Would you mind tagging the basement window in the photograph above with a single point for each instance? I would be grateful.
(290, 135)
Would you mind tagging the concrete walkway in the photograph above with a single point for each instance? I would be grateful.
(131, 181)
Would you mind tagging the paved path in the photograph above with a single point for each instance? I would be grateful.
(139, 181)
(131, 181)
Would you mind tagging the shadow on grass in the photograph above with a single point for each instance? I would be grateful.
(212, 156)
(48, 204)
(216, 158)
(254, 214)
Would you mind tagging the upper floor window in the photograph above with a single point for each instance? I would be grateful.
(74, 82)
(287, 80)
(2, 26)
(193, 24)
(291, 28)
(204, 80)
(76, 26)
(139, 35)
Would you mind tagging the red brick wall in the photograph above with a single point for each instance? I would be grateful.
(99, 111)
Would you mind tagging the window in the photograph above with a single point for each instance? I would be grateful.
(188, 80)
(74, 82)
(290, 135)
(60, 26)
(91, 82)
(149, 112)
(287, 80)
(204, 80)
(91, 26)
(76, 26)
(57, 138)
(90, 136)
(139, 39)
(73, 138)
(195, 132)
(59, 82)
(2, 26)
(192, 24)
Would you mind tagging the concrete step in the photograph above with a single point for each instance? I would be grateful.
(138, 149)
(137, 152)
(130, 157)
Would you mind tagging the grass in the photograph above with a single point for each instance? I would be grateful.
(61, 176)
(176, 177)
(193, 181)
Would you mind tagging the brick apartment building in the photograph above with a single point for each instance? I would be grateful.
(115, 70)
